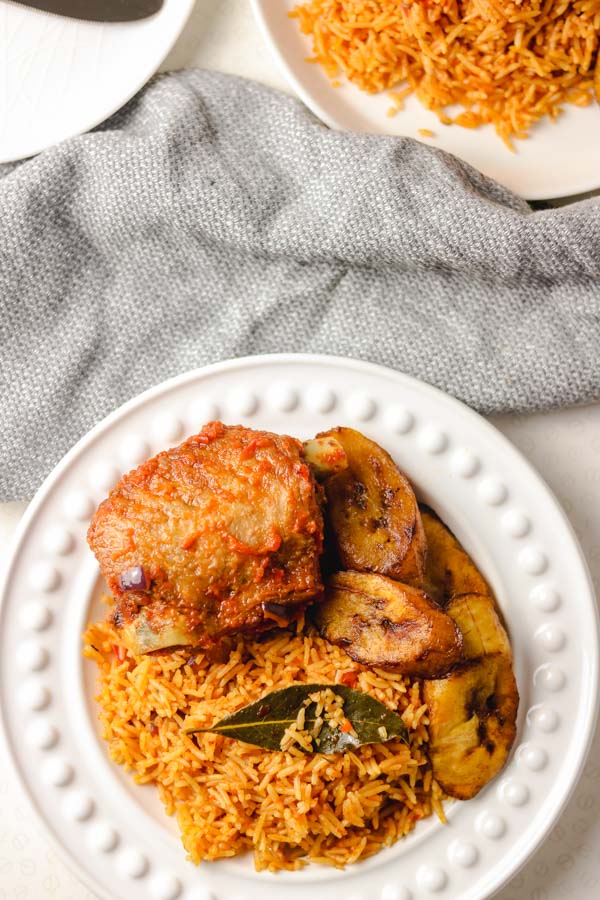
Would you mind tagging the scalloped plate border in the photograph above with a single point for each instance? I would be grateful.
(480, 484)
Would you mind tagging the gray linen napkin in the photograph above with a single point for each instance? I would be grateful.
(214, 218)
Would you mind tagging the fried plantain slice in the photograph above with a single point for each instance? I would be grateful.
(382, 623)
(372, 512)
(480, 626)
(449, 569)
(472, 723)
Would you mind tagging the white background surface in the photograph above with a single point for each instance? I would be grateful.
(565, 448)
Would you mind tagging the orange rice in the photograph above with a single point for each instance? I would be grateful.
(287, 807)
(506, 62)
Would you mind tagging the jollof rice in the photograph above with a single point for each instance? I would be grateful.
(287, 807)
(506, 62)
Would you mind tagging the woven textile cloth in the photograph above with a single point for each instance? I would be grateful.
(214, 218)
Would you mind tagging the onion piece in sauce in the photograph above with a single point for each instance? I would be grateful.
(133, 579)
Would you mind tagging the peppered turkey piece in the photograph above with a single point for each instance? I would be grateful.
(219, 535)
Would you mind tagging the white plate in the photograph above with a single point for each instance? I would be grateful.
(60, 77)
(115, 833)
(558, 159)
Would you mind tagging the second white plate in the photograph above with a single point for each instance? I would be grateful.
(559, 158)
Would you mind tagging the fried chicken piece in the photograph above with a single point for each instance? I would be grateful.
(219, 535)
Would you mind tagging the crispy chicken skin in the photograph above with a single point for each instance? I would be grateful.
(227, 529)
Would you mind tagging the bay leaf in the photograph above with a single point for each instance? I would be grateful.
(263, 723)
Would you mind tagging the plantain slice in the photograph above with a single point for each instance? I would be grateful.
(372, 513)
(480, 626)
(472, 723)
(382, 623)
(449, 570)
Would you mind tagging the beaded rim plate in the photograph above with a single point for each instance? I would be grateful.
(559, 158)
(113, 832)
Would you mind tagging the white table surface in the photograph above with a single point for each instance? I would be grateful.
(563, 445)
